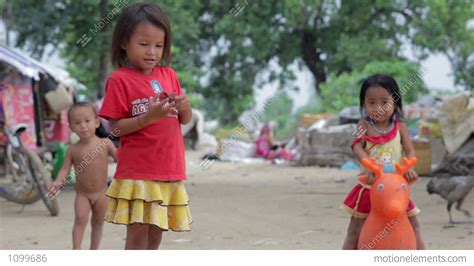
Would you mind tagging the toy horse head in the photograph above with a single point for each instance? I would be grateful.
(390, 193)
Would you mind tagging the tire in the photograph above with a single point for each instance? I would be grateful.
(43, 177)
(7, 193)
(21, 190)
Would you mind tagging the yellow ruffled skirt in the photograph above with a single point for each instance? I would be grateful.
(164, 204)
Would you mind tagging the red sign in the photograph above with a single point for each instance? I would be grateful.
(18, 108)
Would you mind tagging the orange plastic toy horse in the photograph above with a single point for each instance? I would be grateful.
(387, 225)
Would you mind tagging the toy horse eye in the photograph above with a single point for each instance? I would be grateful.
(380, 187)
(404, 187)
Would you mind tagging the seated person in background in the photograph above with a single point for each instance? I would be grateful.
(266, 147)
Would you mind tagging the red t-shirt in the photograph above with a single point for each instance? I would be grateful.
(155, 152)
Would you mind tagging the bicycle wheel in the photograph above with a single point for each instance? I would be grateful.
(23, 189)
(9, 193)
(43, 177)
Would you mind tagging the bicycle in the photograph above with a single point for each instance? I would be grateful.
(30, 179)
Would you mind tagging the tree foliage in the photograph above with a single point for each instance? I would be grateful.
(343, 90)
(447, 27)
(62, 24)
(221, 47)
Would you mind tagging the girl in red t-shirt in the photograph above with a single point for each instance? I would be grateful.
(145, 106)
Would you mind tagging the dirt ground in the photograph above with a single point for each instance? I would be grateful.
(244, 206)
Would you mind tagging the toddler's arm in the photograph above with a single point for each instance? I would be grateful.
(112, 151)
(63, 173)
(358, 148)
(407, 145)
(409, 150)
(359, 152)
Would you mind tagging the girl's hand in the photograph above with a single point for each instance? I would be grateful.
(159, 109)
(411, 175)
(182, 103)
(370, 177)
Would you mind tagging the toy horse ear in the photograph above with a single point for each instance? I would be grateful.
(407, 164)
(372, 165)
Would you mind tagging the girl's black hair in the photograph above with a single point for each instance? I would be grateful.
(388, 83)
(126, 23)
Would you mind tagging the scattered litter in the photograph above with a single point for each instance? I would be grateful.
(350, 165)
(252, 160)
(306, 232)
(449, 226)
(278, 161)
(266, 241)
(237, 151)
(349, 115)
(182, 240)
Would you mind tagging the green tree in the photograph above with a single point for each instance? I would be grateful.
(62, 24)
(32, 21)
(220, 47)
(343, 90)
(328, 37)
(447, 27)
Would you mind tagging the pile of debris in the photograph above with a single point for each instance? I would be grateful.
(456, 120)
(442, 131)
(324, 144)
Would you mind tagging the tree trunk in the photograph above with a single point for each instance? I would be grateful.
(102, 75)
(7, 31)
(104, 57)
(7, 20)
(312, 59)
(7, 36)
